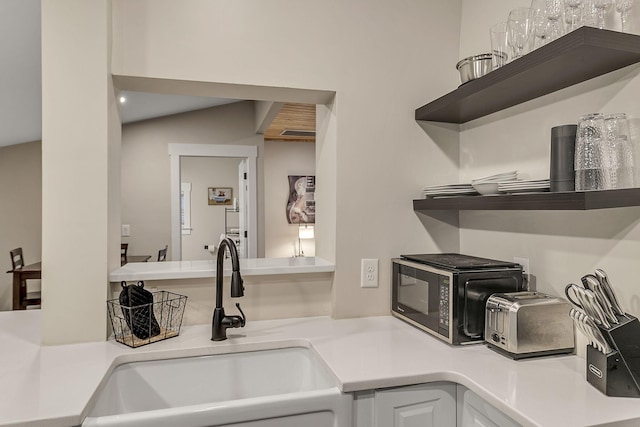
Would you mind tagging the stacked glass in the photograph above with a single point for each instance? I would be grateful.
(587, 162)
(604, 154)
(616, 152)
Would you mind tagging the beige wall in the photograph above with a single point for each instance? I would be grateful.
(561, 246)
(281, 159)
(145, 168)
(20, 211)
(382, 61)
(372, 158)
(265, 297)
(80, 170)
(207, 221)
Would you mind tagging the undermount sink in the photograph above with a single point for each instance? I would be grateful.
(279, 387)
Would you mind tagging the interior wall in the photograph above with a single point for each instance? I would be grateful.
(281, 159)
(383, 61)
(145, 168)
(561, 246)
(80, 170)
(20, 211)
(207, 221)
(265, 297)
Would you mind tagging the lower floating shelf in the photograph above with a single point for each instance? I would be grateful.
(579, 200)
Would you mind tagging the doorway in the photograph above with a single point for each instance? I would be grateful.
(246, 201)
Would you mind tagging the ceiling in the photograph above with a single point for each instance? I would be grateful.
(21, 88)
(142, 106)
(293, 117)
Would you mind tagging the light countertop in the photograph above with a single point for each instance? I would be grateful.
(207, 268)
(50, 386)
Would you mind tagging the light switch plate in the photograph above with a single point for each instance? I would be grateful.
(125, 230)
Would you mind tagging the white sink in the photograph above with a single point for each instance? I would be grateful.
(257, 388)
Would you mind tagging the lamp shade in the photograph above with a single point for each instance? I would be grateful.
(306, 232)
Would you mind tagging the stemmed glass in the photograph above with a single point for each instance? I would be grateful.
(623, 7)
(519, 27)
(540, 24)
(574, 6)
(553, 12)
(589, 13)
(601, 9)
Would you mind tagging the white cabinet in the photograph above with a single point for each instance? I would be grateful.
(439, 404)
(423, 405)
(474, 411)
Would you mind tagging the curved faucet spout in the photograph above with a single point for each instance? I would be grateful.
(220, 321)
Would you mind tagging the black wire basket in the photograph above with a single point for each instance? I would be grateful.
(139, 325)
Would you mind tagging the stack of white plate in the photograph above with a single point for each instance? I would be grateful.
(448, 190)
(489, 184)
(524, 186)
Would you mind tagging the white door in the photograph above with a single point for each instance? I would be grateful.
(474, 411)
(423, 405)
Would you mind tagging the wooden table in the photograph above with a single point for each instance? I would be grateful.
(31, 271)
(137, 258)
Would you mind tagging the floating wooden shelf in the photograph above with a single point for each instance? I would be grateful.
(576, 57)
(586, 200)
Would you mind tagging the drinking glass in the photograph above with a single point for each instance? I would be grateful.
(553, 12)
(499, 45)
(623, 7)
(540, 24)
(617, 153)
(616, 126)
(575, 13)
(519, 27)
(601, 7)
(588, 152)
(617, 162)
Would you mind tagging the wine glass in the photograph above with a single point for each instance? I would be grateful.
(589, 13)
(540, 24)
(601, 10)
(553, 12)
(574, 9)
(519, 28)
(623, 7)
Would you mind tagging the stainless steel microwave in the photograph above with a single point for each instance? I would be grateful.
(445, 294)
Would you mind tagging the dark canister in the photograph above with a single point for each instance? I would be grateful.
(562, 173)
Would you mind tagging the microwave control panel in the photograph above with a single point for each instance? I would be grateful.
(443, 317)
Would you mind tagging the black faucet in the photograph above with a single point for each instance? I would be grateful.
(221, 322)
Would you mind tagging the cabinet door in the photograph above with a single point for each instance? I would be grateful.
(474, 411)
(423, 405)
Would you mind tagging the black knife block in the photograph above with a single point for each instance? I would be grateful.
(618, 372)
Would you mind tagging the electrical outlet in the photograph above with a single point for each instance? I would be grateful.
(524, 262)
(369, 273)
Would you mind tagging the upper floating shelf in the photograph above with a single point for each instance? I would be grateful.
(586, 200)
(578, 56)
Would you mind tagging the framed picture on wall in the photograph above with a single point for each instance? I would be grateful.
(301, 206)
(220, 195)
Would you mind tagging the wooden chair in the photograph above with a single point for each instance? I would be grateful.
(24, 298)
(123, 253)
(162, 254)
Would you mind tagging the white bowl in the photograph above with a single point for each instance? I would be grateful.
(486, 188)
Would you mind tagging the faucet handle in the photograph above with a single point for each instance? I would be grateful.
(243, 320)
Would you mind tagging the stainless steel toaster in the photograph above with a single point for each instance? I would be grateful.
(528, 324)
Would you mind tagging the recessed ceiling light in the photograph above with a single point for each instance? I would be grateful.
(123, 100)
